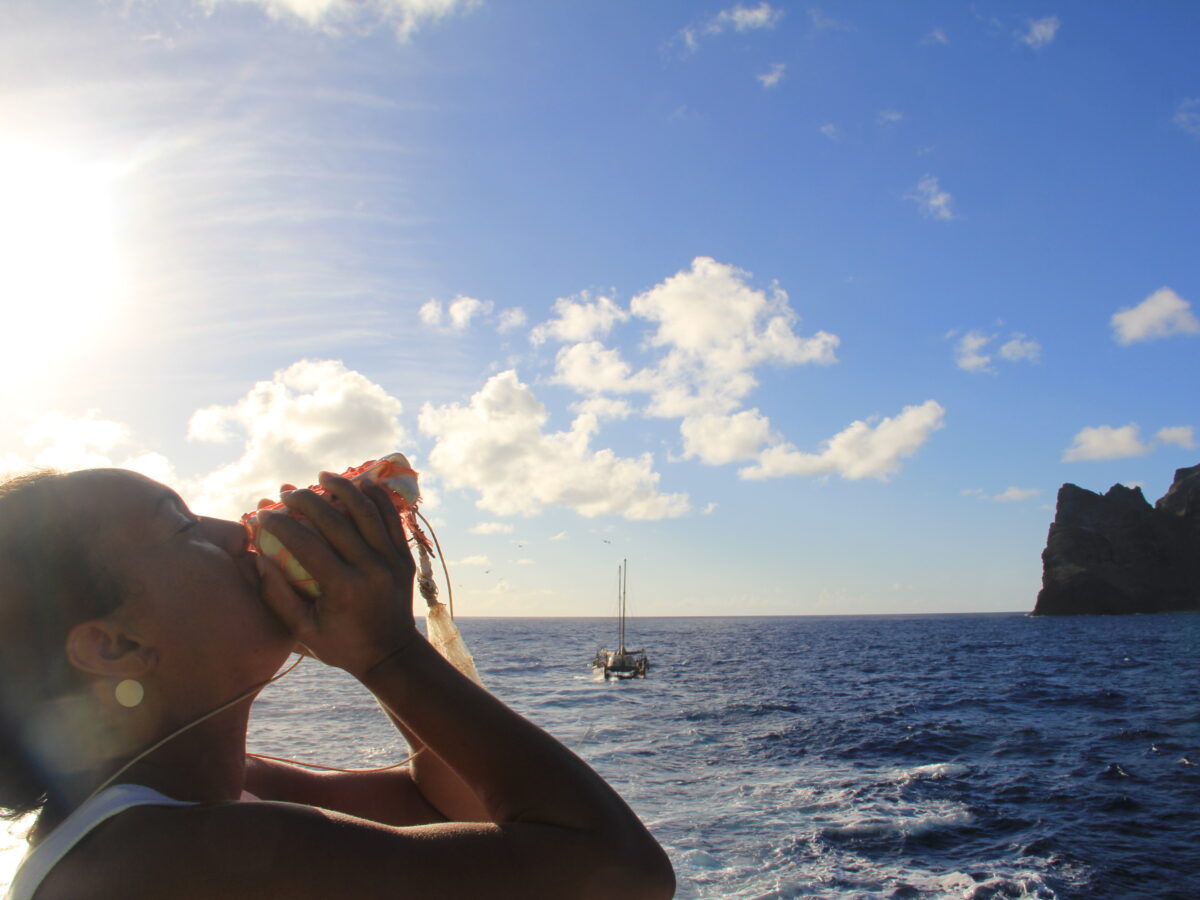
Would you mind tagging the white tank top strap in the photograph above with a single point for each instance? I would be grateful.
(41, 859)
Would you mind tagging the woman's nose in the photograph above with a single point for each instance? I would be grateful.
(231, 536)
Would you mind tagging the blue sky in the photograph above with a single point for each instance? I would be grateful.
(804, 310)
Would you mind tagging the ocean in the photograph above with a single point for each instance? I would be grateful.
(946, 756)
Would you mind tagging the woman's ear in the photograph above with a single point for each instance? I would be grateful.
(101, 647)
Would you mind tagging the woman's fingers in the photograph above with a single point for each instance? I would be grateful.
(376, 494)
(335, 527)
(362, 512)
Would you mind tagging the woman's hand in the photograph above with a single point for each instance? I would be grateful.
(361, 559)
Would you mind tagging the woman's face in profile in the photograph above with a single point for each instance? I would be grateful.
(189, 585)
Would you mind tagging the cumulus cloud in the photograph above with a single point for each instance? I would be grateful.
(772, 76)
(969, 355)
(492, 528)
(603, 407)
(511, 319)
(831, 131)
(736, 18)
(1187, 115)
(862, 450)
(460, 311)
(579, 319)
(889, 117)
(474, 561)
(1040, 33)
(335, 16)
(718, 439)
(1163, 314)
(932, 200)
(1016, 495)
(313, 415)
(1104, 442)
(497, 445)
(712, 330)
(68, 443)
(715, 329)
(1179, 435)
(1019, 347)
(971, 352)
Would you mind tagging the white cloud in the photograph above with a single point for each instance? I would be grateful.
(496, 445)
(463, 309)
(69, 443)
(458, 313)
(720, 439)
(822, 22)
(511, 319)
(936, 36)
(969, 355)
(749, 18)
(525, 562)
(430, 313)
(862, 450)
(1179, 435)
(579, 320)
(1163, 314)
(603, 407)
(889, 116)
(592, 368)
(1187, 115)
(970, 492)
(313, 415)
(1105, 442)
(831, 131)
(738, 18)
(772, 76)
(474, 561)
(492, 528)
(1020, 348)
(332, 16)
(1016, 495)
(709, 509)
(1040, 32)
(561, 536)
(932, 200)
(715, 330)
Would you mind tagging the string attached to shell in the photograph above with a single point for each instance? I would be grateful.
(394, 473)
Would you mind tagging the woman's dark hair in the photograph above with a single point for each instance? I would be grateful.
(50, 581)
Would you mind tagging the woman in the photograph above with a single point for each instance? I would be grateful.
(124, 617)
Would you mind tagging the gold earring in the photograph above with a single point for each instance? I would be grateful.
(130, 693)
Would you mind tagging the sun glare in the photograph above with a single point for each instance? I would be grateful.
(59, 259)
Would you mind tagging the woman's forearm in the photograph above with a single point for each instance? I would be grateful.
(516, 770)
(438, 783)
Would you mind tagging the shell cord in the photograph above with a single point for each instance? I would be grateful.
(441, 558)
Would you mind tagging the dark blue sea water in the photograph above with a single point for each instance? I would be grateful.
(966, 756)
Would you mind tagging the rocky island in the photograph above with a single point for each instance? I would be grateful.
(1115, 553)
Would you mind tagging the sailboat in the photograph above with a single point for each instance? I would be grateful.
(621, 663)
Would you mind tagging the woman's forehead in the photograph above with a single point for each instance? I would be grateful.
(116, 495)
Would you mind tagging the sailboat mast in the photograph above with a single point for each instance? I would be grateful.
(624, 582)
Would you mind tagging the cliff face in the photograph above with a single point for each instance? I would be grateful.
(1116, 553)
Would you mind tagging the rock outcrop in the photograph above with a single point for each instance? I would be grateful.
(1116, 553)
